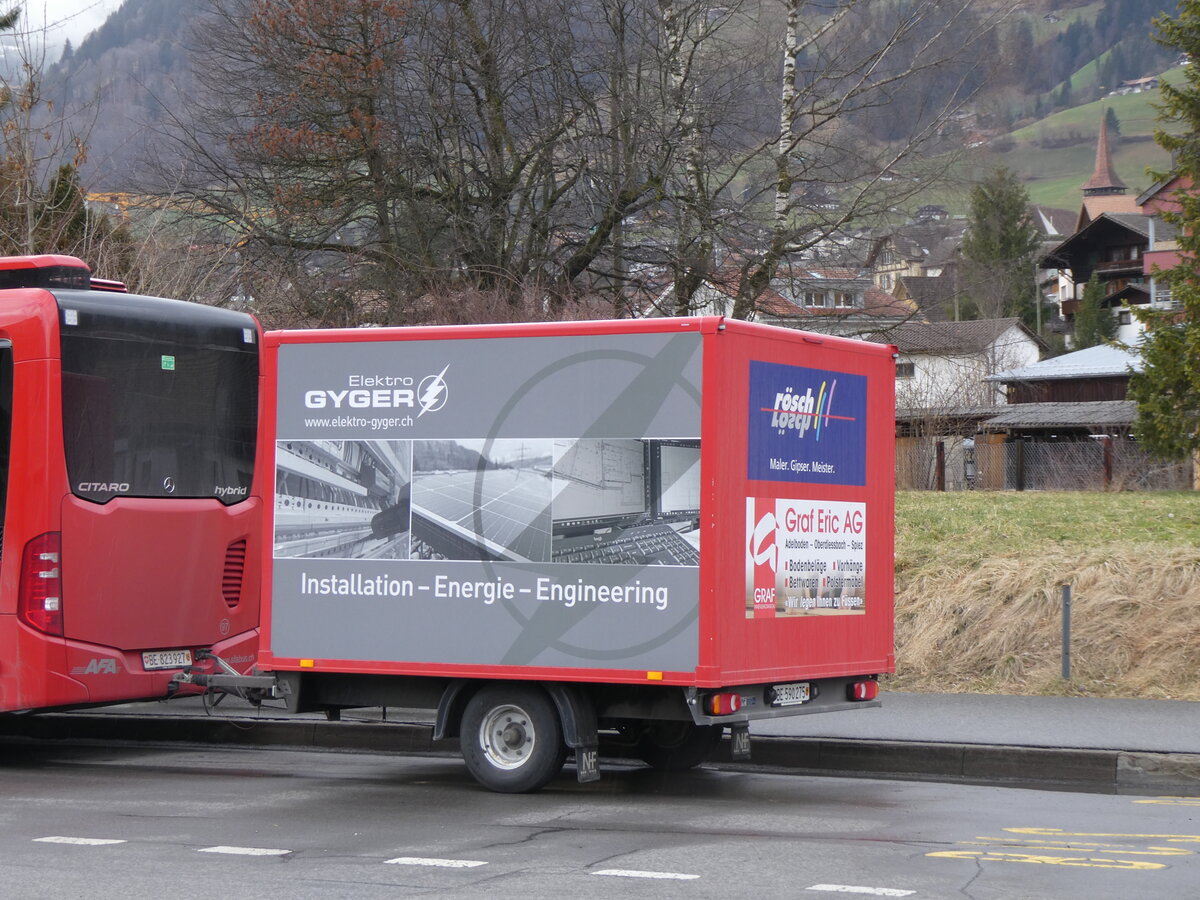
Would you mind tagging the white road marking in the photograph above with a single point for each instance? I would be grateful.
(634, 873)
(245, 851)
(436, 863)
(86, 842)
(855, 889)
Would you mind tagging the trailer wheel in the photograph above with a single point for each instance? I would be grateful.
(676, 746)
(511, 738)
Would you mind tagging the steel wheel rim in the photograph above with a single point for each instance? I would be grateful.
(507, 736)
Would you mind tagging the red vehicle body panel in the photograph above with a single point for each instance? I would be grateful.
(733, 646)
(137, 574)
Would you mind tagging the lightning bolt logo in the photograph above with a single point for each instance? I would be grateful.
(433, 392)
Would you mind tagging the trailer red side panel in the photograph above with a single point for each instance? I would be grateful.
(799, 435)
(676, 501)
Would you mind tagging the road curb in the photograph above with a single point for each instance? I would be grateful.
(1098, 771)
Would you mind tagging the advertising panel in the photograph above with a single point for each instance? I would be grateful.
(490, 501)
(805, 558)
(807, 425)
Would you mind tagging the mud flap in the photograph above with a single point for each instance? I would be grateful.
(587, 763)
(739, 742)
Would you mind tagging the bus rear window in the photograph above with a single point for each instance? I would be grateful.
(150, 417)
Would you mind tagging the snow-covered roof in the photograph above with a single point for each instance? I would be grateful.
(1101, 361)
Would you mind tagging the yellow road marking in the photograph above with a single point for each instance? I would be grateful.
(1171, 801)
(1087, 862)
(1078, 846)
(1058, 832)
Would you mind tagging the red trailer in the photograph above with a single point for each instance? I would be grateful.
(641, 531)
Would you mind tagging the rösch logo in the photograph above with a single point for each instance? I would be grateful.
(799, 412)
(807, 425)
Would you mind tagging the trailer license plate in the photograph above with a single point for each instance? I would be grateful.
(166, 659)
(789, 694)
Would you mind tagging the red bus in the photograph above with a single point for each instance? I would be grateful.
(129, 488)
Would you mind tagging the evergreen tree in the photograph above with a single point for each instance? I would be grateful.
(1167, 390)
(1000, 248)
(1111, 120)
(1094, 322)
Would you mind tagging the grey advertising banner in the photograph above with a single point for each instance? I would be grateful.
(632, 385)
(501, 501)
(604, 617)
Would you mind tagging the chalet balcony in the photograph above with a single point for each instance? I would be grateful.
(1119, 265)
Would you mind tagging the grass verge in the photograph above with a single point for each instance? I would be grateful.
(978, 593)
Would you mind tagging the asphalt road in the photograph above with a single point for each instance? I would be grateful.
(1120, 746)
(142, 822)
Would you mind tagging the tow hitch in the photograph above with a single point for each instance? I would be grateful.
(251, 688)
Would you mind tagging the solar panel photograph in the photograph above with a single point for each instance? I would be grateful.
(342, 499)
(477, 499)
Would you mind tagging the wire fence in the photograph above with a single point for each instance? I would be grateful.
(1105, 464)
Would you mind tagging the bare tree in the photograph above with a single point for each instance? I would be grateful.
(41, 203)
(383, 152)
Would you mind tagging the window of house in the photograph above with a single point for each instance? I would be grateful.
(905, 369)
(845, 298)
(1124, 317)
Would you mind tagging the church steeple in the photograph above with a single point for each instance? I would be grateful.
(1104, 180)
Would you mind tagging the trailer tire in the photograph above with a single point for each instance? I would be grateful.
(512, 739)
(676, 746)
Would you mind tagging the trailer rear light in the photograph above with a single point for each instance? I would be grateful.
(863, 690)
(722, 704)
(40, 604)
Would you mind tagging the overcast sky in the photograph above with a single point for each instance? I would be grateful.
(63, 19)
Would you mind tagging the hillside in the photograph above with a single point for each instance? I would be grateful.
(1055, 155)
(123, 81)
(978, 582)
(1051, 55)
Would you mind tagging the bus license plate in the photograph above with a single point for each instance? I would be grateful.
(166, 659)
(789, 694)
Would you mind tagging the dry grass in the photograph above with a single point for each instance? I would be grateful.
(978, 604)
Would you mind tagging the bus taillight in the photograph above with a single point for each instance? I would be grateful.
(41, 584)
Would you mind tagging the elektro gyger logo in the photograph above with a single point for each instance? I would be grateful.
(384, 392)
(798, 413)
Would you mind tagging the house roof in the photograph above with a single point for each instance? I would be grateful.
(1097, 413)
(1053, 222)
(1100, 204)
(1101, 361)
(933, 295)
(928, 242)
(1135, 222)
(1140, 222)
(1170, 184)
(783, 297)
(949, 337)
